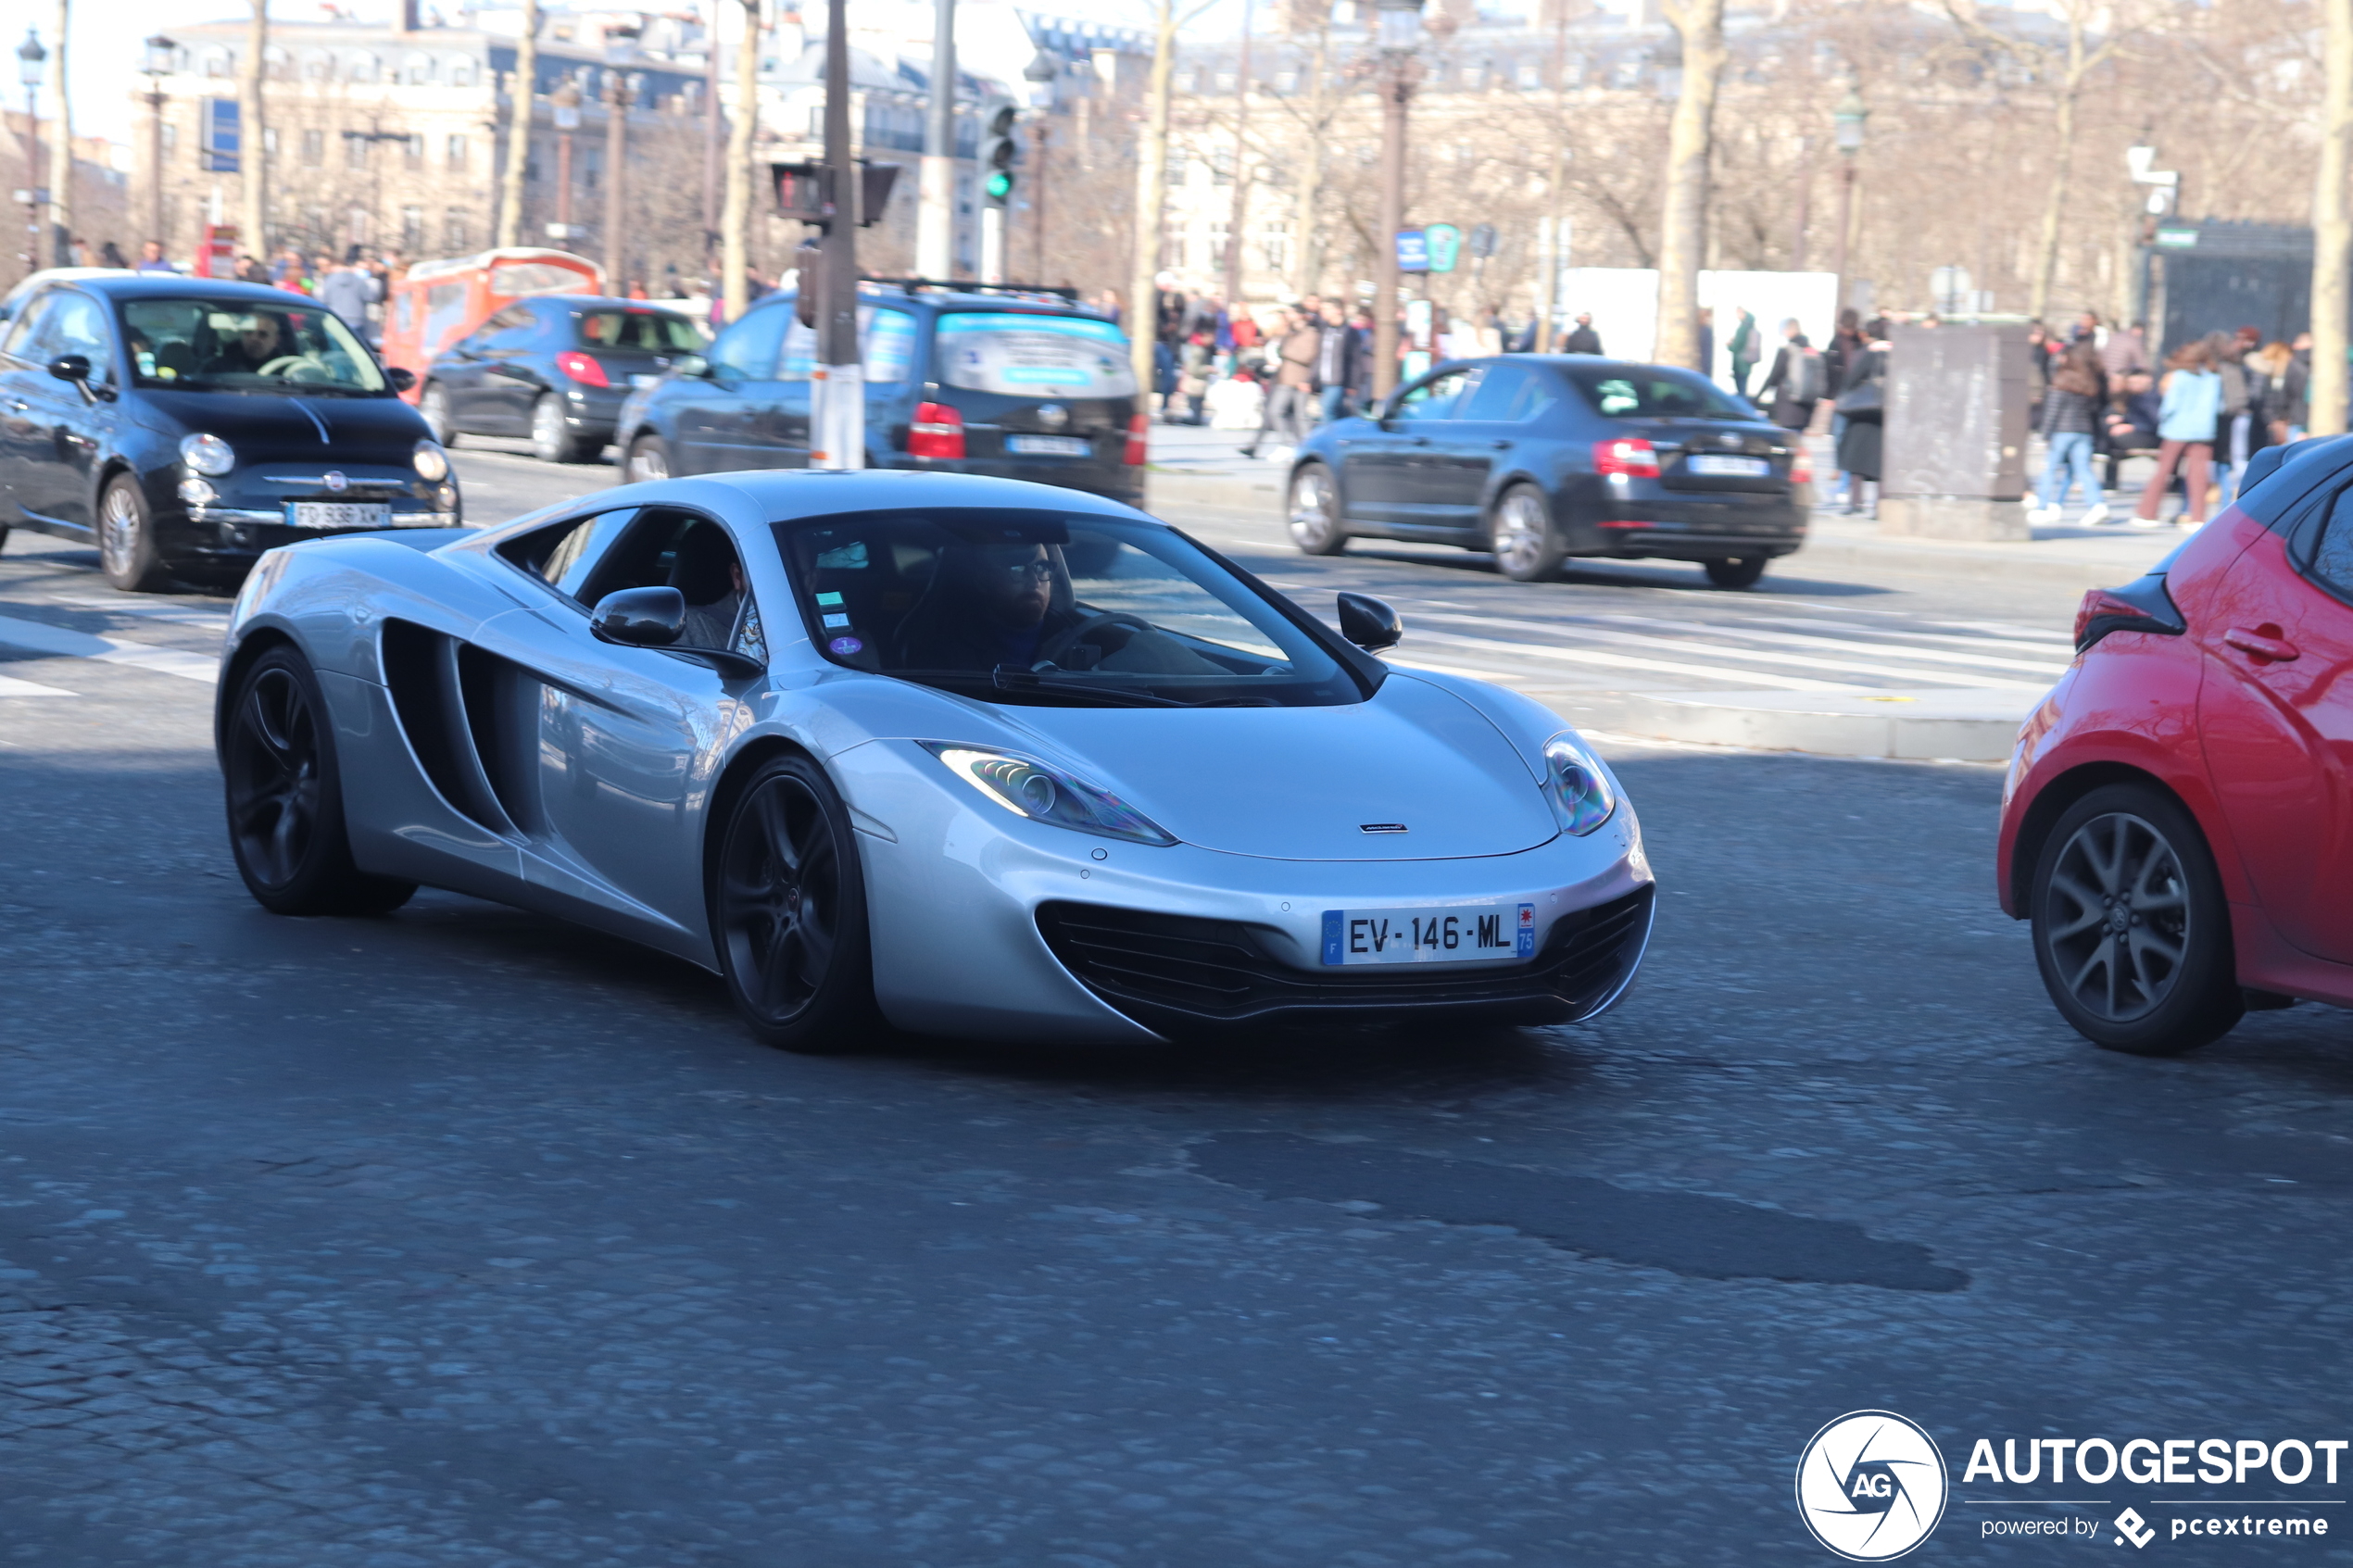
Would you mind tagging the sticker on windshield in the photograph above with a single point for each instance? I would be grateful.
(847, 645)
(1032, 355)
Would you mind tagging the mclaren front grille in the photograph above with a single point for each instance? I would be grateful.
(1183, 972)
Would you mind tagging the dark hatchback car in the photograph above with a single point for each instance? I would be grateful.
(1538, 457)
(184, 427)
(556, 368)
(1012, 384)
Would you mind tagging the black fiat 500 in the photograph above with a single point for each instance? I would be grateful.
(1537, 457)
(555, 368)
(1002, 379)
(184, 427)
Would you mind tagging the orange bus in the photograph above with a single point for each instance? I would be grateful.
(440, 302)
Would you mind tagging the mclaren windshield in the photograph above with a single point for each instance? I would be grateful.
(1039, 607)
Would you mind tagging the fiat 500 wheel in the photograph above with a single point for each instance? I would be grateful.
(789, 913)
(127, 540)
(2130, 930)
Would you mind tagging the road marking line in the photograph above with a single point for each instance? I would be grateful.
(1456, 670)
(1930, 655)
(173, 614)
(2058, 646)
(39, 636)
(1764, 656)
(1626, 661)
(11, 687)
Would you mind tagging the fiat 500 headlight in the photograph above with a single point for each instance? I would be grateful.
(1579, 789)
(432, 463)
(206, 454)
(1047, 794)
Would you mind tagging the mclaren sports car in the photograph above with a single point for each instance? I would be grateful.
(926, 751)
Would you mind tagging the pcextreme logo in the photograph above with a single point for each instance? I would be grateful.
(1871, 1485)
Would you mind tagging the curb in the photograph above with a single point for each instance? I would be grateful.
(1931, 726)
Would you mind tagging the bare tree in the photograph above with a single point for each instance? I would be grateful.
(2331, 230)
(1691, 135)
(61, 205)
(735, 222)
(1151, 186)
(522, 93)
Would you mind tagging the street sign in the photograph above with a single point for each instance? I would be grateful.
(1445, 245)
(1412, 251)
(1483, 240)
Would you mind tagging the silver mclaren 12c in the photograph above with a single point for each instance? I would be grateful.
(956, 755)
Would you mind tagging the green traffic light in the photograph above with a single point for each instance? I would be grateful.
(1000, 185)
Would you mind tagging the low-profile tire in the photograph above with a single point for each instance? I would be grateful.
(1528, 548)
(284, 794)
(1735, 571)
(788, 912)
(648, 460)
(3, 538)
(433, 406)
(550, 442)
(2131, 931)
(1314, 516)
(127, 539)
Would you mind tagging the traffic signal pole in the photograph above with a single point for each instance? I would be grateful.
(837, 411)
(936, 201)
(1000, 145)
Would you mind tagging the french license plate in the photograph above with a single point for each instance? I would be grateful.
(1047, 446)
(641, 381)
(1730, 468)
(1450, 935)
(338, 514)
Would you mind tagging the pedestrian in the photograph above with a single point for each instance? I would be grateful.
(1492, 330)
(2241, 431)
(1847, 348)
(1195, 362)
(1287, 398)
(151, 258)
(1583, 339)
(1743, 348)
(1863, 399)
(2133, 413)
(348, 290)
(2125, 351)
(2288, 400)
(2071, 424)
(2038, 371)
(2191, 404)
(1336, 356)
(1360, 391)
(1795, 382)
(1708, 342)
(82, 255)
(110, 254)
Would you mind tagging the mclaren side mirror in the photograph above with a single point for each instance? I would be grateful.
(1369, 623)
(641, 618)
(400, 376)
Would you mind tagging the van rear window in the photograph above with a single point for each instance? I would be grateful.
(1029, 354)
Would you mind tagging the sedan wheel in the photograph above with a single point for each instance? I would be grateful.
(1735, 571)
(286, 798)
(648, 460)
(1314, 512)
(126, 541)
(790, 913)
(2130, 930)
(550, 442)
(1522, 537)
(433, 406)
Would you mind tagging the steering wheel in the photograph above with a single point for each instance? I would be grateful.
(1052, 652)
(282, 365)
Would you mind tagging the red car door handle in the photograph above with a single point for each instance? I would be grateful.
(2263, 645)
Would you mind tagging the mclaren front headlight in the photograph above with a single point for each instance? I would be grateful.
(1579, 789)
(1032, 789)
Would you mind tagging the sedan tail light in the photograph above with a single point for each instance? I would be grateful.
(1139, 441)
(1627, 454)
(2140, 605)
(581, 368)
(937, 432)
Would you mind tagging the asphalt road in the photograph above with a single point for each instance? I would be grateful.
(464, 1236)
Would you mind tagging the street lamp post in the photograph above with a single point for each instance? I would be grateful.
(1042, 74)
(565, 101)
(1400, 29)
(31, 58)
(617, 100)
(157, 66)
(1847, 123)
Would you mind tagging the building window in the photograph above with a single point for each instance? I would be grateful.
(1226, 80)
(1185, 81)
(170, 138)
(274, 64)
(461, 71)
(1219, 232)
(1287, 82)
(355, 151)
(363, 68)
(412, 149)
(417, 70)
(317, 67)
(455, 155)
(1274, 246)
(1531, 76)
(453, 231)
(413, 229)
(216, 63)
(269, 141)
(314, 149)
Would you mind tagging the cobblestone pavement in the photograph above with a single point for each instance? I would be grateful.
(467, 1238)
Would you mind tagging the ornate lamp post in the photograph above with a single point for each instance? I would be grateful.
(565, 101)
(30, 60)
(1400, 33)
(160, 53)
(1043, 74)
(1846, 124)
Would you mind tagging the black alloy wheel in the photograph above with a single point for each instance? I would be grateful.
(649, 459)
(1315, 511)
(2132, 933)
(1735, 571)
(285, 797)
(127, 539)
(789, 912)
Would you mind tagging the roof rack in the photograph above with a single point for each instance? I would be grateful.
(946, 285)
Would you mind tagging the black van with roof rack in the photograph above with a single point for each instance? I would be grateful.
(1011, 381)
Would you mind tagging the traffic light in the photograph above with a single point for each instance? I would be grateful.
(998, 147)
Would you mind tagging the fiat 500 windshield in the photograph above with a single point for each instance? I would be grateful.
(1041, 608)
(207, 345)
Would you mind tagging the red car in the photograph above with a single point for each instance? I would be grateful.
(2178, 819)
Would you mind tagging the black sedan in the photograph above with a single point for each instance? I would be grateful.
(1537, 457)
(184, 427)
(556, 368)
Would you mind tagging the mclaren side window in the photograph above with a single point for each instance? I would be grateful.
(1047, 608)
(668, 548)
(562, 554)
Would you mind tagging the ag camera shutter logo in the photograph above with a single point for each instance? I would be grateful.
(1871, 1485)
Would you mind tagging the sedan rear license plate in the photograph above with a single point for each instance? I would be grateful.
(338, 514)
(1452, 935)
(642, 381)
(1730, 467)
(1048, 445)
